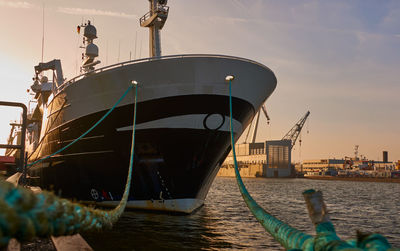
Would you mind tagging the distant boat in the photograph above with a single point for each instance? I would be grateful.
(182, 133)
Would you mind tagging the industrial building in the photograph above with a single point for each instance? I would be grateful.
(268, 159)
(264, 159)
(317, 165)
(349, 166)
(279, 158)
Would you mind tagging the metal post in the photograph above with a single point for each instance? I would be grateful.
(25, 168)
(155, 45)
(21, 147)
(155, 20)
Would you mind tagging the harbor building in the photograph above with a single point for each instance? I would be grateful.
(251, 159)
(265, 159)
(250, 153)
(317, 165)
(261, 159)
(381, 165)
(278, 158)
(350, 167)
(321, 167)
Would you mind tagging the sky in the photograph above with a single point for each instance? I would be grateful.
(338, 59)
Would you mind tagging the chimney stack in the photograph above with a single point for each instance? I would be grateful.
(385, 156)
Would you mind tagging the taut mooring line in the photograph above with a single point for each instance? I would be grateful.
(89, 130)
(24, 214)
(292, 238)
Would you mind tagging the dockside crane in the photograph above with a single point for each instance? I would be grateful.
(264, 109)
(294, 133)
(265, 113)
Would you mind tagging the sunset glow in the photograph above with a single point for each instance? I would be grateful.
(338, 59)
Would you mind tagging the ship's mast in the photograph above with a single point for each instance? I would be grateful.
(91, 50)
(155, 20)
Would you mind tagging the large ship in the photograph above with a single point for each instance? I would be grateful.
(182, 130)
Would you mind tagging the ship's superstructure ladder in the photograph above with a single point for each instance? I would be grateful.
(155, 20)
(294, 133)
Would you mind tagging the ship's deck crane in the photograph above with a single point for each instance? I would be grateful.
(294, 133)
(265, 113)
(264, 109)
(54, 65)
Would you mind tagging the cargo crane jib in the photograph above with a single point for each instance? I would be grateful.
(264, 109)
(294, 133)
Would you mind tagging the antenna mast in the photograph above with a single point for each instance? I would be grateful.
(91, 50)
(43, 33)
(155, 20)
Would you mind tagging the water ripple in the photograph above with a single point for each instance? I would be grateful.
(225, 223)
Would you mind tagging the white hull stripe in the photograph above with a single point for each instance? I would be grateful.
(191, 121)
(175, 205)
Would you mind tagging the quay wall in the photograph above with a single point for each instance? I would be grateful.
(246, 171)
(364, 179)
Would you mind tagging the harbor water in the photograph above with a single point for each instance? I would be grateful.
(224, 222)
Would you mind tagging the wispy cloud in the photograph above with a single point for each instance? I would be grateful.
(94, 12)
(15, 4)
(229, 20)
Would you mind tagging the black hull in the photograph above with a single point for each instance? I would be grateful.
(169, 163)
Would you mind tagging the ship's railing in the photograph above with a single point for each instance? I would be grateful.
(144, 17)
(110, 67)
(159, 9)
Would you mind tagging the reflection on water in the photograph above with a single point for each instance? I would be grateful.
(224, 222)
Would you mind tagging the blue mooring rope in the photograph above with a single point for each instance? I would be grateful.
(293, 239)
(88, 131)
(24, 215)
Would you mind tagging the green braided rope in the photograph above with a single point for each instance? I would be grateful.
(88, 131)
(293, 239)
(24, 214)
(275, 227)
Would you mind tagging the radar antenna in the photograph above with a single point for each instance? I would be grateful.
(91, 50)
